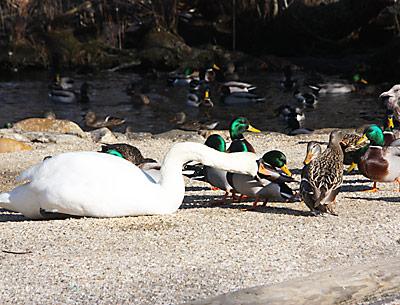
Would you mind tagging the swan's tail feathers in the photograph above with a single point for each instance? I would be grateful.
(27, 175)
(4, 199)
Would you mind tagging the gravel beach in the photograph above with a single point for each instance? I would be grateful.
(201, 251)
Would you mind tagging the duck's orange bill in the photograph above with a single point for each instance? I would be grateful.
(308, 158)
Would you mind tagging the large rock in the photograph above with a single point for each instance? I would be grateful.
(11, 145)
(49, 125)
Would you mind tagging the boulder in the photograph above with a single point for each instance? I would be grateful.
(11, 145)
(49, 125)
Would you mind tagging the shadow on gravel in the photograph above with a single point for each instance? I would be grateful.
(200, 202)
(9, 216)
(388, 199)
(354, 188)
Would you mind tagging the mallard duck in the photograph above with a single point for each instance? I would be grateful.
(194, 100)
(380, 163)
(100, 185)
(322, 177)
(184, 79)
(215, 176)
(238, 98)
(288, 83)
(309, 99)
(296, 127)
(335, 88)
(236, 86)
(236, 129)
(313, 151)
(389, 133)
(272, 183)
(391, 99)
(351, 150)
(180, 119)
(229, 73)
(68, 96)
(133, 154)
(65, 83)
(92, 121)
(128, 152)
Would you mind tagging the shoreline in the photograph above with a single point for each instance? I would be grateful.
(198, 252)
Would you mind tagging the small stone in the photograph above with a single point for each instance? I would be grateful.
(103, 135)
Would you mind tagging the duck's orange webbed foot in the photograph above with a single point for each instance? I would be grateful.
(374, 189)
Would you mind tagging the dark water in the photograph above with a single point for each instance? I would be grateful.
(27, 96)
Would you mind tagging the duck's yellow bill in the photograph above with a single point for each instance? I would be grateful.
(390, 122)
(363, 139)
(252, 129)
(351, 167)
(308, 158)
(215, 67)
(365, 82)
(286, 170)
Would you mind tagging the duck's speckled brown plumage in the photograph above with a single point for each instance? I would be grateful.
(350, 147)
(129, 152)
(323, 176)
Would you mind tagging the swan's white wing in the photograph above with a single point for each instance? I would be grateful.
(89, 184)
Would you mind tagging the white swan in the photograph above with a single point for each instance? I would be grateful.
(101, 185)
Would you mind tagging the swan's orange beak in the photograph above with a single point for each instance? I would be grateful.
(286, 170)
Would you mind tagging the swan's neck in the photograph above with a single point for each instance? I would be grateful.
(172, 181)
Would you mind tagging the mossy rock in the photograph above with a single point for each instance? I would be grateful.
(160, 58)
(164, 39)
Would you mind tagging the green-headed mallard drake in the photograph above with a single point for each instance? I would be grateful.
(322, 177)
(183, 79)
(352, 150)
(128, 152)
(380, 163)
(133, 154)
(92, 121)
(236, 129)
(215, 176)
(389, 133)
(271, 184)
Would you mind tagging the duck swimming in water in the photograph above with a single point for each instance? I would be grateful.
(92, 121)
